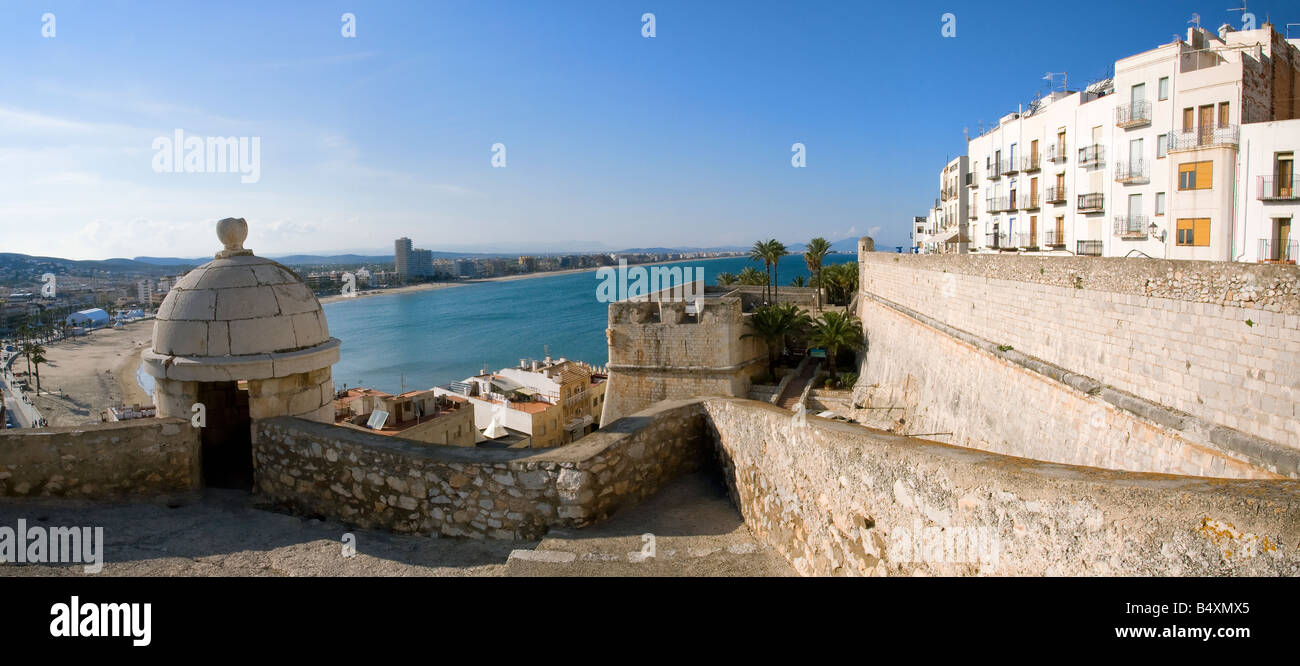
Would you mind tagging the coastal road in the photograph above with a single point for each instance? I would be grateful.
(24, 413)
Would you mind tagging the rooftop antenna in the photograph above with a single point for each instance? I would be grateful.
(1050, 77)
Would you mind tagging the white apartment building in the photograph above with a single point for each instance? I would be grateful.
(1149, 163)
(1268, 193)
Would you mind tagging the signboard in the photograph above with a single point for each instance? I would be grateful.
(817, 352)
(377, 419)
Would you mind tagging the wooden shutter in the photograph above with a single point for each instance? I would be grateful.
(1201, 234)
(1204, 175)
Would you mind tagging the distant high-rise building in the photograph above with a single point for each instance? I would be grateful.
(402, 257)
(421, 263)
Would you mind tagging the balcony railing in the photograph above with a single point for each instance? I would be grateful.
(996, 205)
(1056, 195)
(1088, 248)
(1029, 163)
(1056, 152)
(1272, 188)
(1092, 202)
(1131, 172)
(1093, 155)
(1131, 226)
(991, 170)
(1053, 238)
(1029, 202)
(1133, 115)
(992, 241)
(1008, 167)
(1279, 251)
(1024, 239)
(972, 212)
(970, 178)
(1203, 137)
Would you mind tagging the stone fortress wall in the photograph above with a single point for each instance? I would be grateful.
(657, 351)
(834, 499)
(140, 457)
(1149, 365)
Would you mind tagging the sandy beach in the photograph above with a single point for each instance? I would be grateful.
(89, 374)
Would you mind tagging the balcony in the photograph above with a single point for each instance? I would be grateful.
(1024, 240)
(1029, 202)
(992, 170)
(1053, 238)
(992, 241)
(1131, 227)
(1131, 173)
(1056, 153)
(1008, 167)
(1278, 252)
(1092, 203)
(1136, 114)
(971, 181)
(1088, 248)
(1093, 155)
(948, 193)
(1222, 136)
(996, 205)
(1029, 163)
(1273, 189)
(972, 212)
(1056, 195)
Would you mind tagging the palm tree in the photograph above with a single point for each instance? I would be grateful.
(798, 281)
(776, 250)
(773, 324)
(840, 281)
(760, 252)
(750, 276)
(835, 331)
(38, 357)
(726, 279)
(813, 256)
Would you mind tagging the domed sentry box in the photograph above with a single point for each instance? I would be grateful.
(240, 338)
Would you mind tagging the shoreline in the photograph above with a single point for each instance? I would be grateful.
(87, 375)
(433, 286)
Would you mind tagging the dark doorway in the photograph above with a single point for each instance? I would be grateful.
(227, 436)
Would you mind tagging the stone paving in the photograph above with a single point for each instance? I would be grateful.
(698, 533)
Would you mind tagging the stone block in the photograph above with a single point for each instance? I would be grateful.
(247, 303)
(254, 336)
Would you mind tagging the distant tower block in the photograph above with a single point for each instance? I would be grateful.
(240, 318)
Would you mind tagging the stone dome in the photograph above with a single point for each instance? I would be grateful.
(239, 312)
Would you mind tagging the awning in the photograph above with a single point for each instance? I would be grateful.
(954, 238)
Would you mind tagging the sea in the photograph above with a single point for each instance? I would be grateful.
(417, 340)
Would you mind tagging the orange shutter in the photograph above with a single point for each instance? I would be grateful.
(1201, 235)
(1204, 175)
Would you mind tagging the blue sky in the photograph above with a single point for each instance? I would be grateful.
(612, 140)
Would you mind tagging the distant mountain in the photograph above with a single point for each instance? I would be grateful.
(671, 250)
(172, 261)
(13, 262)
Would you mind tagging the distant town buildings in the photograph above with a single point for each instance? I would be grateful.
(1187, 153)
(552, 402)
(418, 416)
(410, 262)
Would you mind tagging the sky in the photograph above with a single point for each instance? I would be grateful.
(611, 139)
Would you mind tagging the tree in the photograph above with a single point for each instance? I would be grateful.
(38, 357)
(817, 250)
(798, 281)
(773, 324)
(840, 281)
(727, 279)
(776, 250)
(836, 331)
(760, 252)
(750, 276)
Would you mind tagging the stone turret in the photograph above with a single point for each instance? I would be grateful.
(240, 318)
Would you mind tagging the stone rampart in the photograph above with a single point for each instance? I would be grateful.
(139, 457)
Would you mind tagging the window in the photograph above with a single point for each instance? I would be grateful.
(1223, 114)
(1162, 145)
(1160, 203)
(1195, 175)
(1194, 231)
(1189, 119)
(1164, 87)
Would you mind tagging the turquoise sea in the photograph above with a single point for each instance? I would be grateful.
(420, 339)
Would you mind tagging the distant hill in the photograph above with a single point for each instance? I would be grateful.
(671, 250)
(24, 266)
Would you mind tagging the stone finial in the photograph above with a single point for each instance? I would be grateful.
(231, 232)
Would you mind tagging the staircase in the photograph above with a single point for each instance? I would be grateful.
(794, 390)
